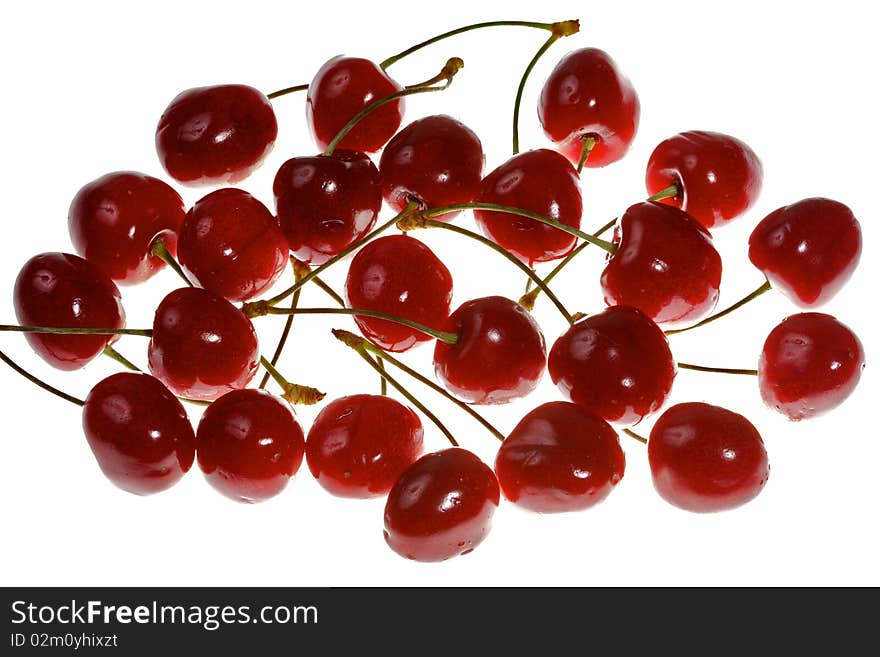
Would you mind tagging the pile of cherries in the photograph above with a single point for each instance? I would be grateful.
(613, 368)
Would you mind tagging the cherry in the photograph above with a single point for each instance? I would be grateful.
(249, 445)
(499, 356)
(810, 363)
(665, 264)
(807, 250)
(202, 346)
(705, 458)
(138, 432)
(216, 135)
(441, 507)
(616, 364)
(231, 245)
(718, 177)
(64, 290)
(541, 181)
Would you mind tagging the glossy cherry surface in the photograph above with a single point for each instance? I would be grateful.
(114, 220)
(249, 444)
(358, 446)
(63, 290)
(202, 346)
(706, 458)
(231, 245)
(400, 276)
(138, 432)
(810, 364)
(216, 135)
(441, 507)
(559, 458)
(665, 265)
(500, 354)
(807, 250)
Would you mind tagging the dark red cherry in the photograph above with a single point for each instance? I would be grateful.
(249, 445)
(400, 276)
(705, 458)
(341, 88)
(358, 446)
(810, 363)
(500, 354)
(559, 458)
(665, 265)
(616, 364)
(63, 290)
(441, 507)
(231, 245)
(540, 181)
(216, 135)
(114, 220)
(326, 203)
(718, 176)
(202, 346)
(585, 96)
(138, 432)
(807, 250)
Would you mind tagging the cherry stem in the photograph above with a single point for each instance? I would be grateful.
(75, 330)
(587, 145)
(717, 370)
(293, 393)
(287, 90)
(161, 251)
(633, 434)
(383, 385)
(522, 85)
(110, 352)
(45, 386)
(300, 269)
(667, 192)
(765, 286)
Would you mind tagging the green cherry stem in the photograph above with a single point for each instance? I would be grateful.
(15, 328)
(293, 393)
(161, 251)
(587, 145)
(287, 90)
(39, 382)
(765, 287)
(667, 192)
(633, 434)
(383, 385)
(717, 370)
(300, 269)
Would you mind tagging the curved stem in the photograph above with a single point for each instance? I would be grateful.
(587, 146)
(300, 269)
(287, 90)
(717, 370)
(765, 286)
(110, 352)
(633, 434)
(15, 328)
(293, 393)
(667, 192)
(522, 85)
(383, 385)
(45, 386)
(161, 251)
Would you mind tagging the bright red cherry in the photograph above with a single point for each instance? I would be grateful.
(441, 507)
(540, 181)
(718, 176)
(807, 250)
(114, 220)
(500, 354)
(810, 364)
(231, 245)
(665, 265)
(63, 290)
(138, 432)
(249, 445)
(705, 458)
(400, 276)
(216, 135)
(559, 458)
(358, 446)
(585, 96)
(202, 346)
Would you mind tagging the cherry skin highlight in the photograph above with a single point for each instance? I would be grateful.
(63, 290)
(706, 458)
(139, 433)
(114, 220)
(359, 446)
(441, 507)
(216, 135)
(249, 444)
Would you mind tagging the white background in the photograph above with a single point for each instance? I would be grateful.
(83, 87)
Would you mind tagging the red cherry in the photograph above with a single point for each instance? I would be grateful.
(665, 265)
(616, 364)
(114, 220)
(705, 458)
(138, 432)
(358, 446)
(63, 290)
(216, 135)
(441, 507)
(810, 364)
(341, 88)
(500, 354)
(231, 245)
(587, 96)
(719, 177)
(807, 250)
(249, 445)
(202, 345)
